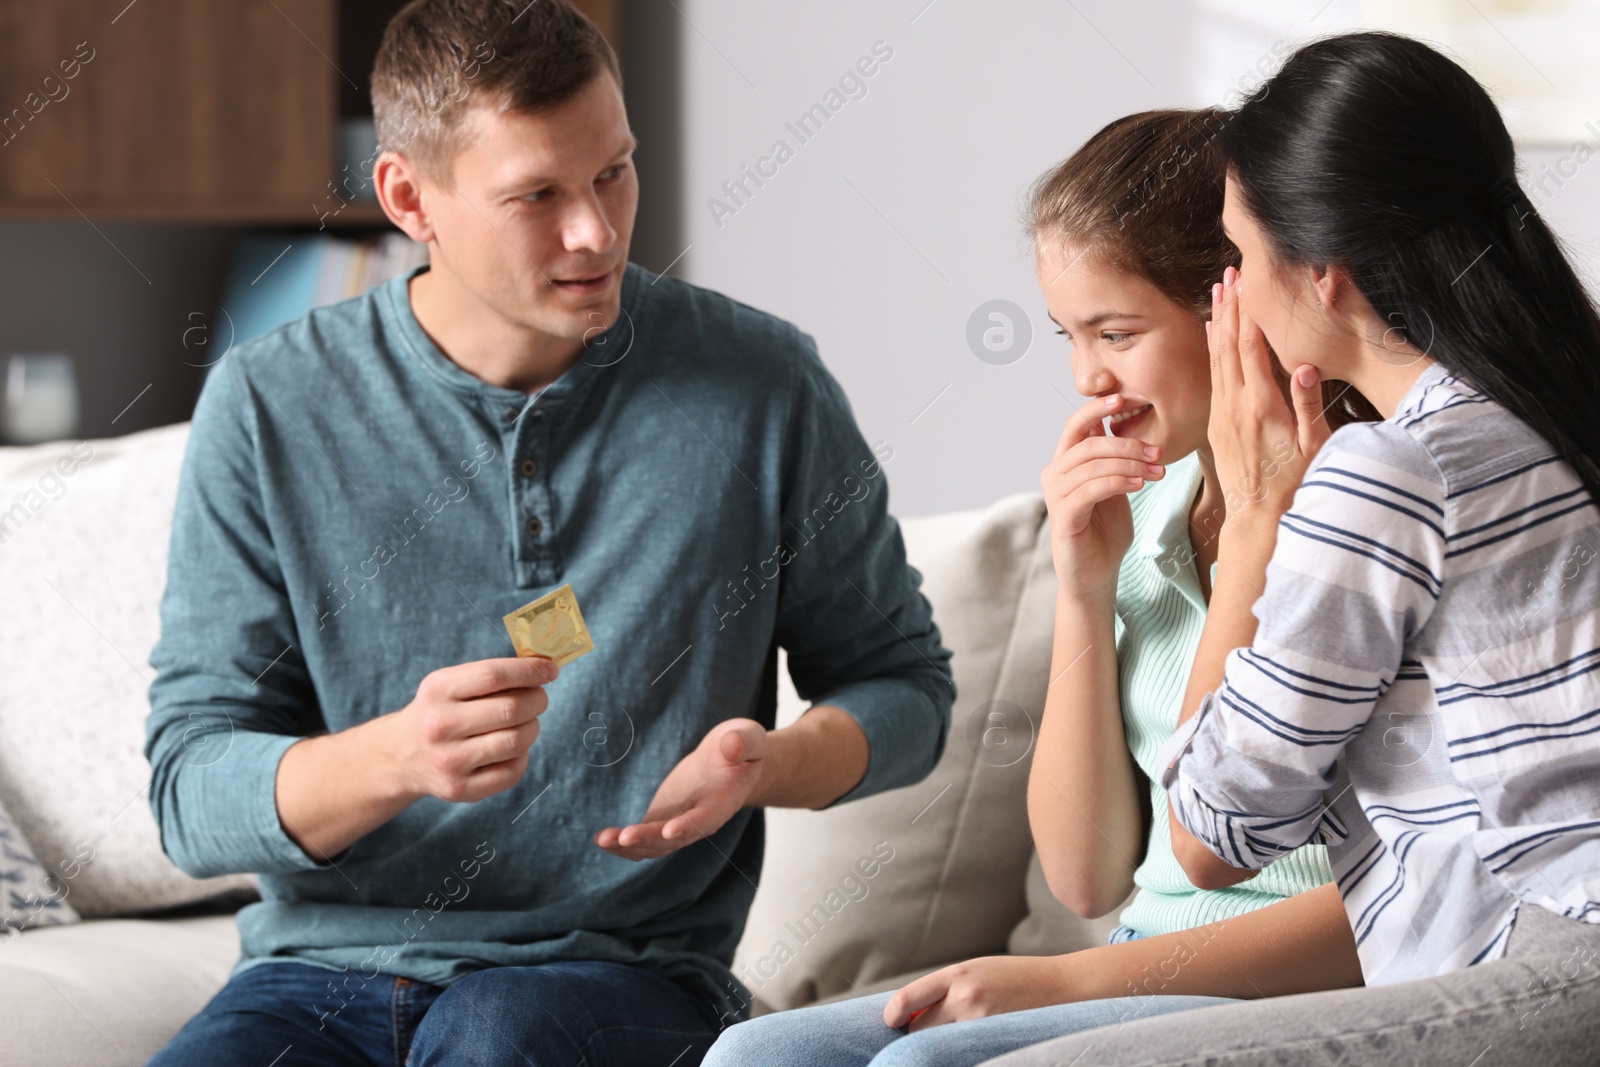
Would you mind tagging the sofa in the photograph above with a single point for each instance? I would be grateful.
(83, 557)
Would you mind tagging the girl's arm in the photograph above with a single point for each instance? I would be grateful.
(1299, 945)
(1083, 793)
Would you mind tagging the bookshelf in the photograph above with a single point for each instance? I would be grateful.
(190, 135)
(188, 111)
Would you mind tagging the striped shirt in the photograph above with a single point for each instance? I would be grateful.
(1160, 614)
(1422, 694)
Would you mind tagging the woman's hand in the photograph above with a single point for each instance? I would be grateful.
(1086, 489)
(1261, 447)
(974, 989)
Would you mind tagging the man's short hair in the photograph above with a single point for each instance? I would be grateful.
(440, 57)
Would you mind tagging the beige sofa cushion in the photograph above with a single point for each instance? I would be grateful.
(109, 992)
(946, 856)
(83, 561)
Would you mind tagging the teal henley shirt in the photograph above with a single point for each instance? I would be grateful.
(355, 510)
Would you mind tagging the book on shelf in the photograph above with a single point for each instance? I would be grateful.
(275, 278)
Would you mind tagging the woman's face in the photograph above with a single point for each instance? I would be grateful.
(1309, 316)
(1128, 337)
(1279, 300)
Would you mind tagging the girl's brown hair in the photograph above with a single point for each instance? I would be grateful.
(1144, 196)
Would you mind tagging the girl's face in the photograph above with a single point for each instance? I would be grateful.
(1128, 337)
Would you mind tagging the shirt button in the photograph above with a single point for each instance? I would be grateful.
(529, 468)
(510, 414)
(534, 526)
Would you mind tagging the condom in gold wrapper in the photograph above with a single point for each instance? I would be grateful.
(551, 626)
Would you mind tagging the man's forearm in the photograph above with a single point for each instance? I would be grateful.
(813, 761)
(334, 789)
(465, 736)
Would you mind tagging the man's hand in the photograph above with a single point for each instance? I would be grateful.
(463, 738)
(704, 791)
(466, 735)
(974, 989)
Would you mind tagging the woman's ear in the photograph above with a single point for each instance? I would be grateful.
(1327, 282)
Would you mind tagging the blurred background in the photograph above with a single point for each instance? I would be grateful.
(179, 175)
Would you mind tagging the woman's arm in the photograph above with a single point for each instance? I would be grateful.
(1261, 450)
(1244, 549)
(1299, 945)
(1355, 576)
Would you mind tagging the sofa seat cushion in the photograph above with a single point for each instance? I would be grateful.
(109, 991)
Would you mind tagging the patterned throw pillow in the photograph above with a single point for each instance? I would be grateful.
(29, 896)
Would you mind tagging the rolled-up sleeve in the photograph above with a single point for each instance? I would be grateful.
(858, 632)
(1356, 572)
(232, 692)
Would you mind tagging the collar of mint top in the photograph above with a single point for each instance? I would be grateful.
(355, 510)
(1164, 537)
(1160, 614)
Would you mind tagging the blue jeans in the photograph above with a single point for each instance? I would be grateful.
(282, 1014)
(1122, 933)
(852, 1033)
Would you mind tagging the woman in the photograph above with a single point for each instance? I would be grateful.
(1421, 692)
(1127, 239)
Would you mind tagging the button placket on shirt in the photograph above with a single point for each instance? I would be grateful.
(528, 448)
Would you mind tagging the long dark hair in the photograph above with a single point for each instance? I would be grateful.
(1144, 196)
(1377, 154)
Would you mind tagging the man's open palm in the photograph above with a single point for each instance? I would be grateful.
(701, 794)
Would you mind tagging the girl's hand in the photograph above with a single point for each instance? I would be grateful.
(1086, 489)
(1260, 447)
(989, 985)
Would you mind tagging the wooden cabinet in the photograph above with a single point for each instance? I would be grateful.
(181, 110)
(178, 108)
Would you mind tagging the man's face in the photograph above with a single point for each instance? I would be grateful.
(536, 218)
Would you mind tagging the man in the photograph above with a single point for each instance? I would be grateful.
(459, 861)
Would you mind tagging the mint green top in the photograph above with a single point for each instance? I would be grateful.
(1160, 612)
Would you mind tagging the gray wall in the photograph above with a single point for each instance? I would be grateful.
(122, 299)
(889, 227)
